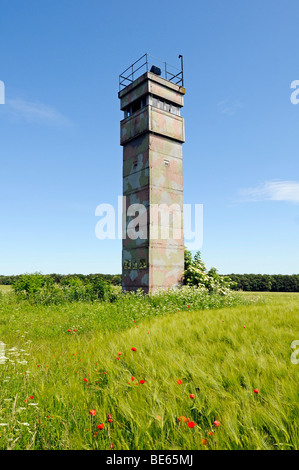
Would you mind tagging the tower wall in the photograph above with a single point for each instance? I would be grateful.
(152, 134)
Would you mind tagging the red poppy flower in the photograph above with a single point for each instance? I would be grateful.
(205, 442)
(191, 424)
(110, 420)
(179, 382)
(188, 306)
(109, 416)
(210, 433)
(117, 358)
(216, 423)
(119, 353)
(256, 390)
(132, 378)
(69, 331)
(192, 395)
(111, 446)
(93, 412)
(142, 381)
(85, 380)
(31, 398)
(100, 426)
(74, 330)
(133, 349)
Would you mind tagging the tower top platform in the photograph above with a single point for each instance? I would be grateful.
(148, 63)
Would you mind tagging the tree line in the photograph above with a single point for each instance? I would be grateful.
(245, 282)
(114, 279)
(265, 282)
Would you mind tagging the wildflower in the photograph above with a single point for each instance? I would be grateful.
(142, 381)
(100, 426)
(109, 416)
(68, 331)
(216, 423)
(132, 378)
(111, 446)
(93, 412)
(133, 349)
(192, 395)
(179, 382)
(31, 398)
(256, 390)
(110, 420)
(191, 424)
(183, 418)
(205, 442)
(85, 380)
(119, 353)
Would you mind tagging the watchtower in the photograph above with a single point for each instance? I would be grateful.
(152, 133)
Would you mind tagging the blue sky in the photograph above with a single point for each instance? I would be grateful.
(60, 155)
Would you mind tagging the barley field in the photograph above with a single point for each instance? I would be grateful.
(88, 375)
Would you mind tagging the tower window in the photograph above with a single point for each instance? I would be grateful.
(165, 105)
(135, 106)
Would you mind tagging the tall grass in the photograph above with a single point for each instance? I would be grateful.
(51, 349)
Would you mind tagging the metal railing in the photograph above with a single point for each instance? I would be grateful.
(144, 64)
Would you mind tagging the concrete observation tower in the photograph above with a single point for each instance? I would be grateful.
(152, 132)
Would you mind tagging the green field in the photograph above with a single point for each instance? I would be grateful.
(5, 289)
(53, 377)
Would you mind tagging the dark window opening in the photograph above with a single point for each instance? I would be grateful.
(135, 106)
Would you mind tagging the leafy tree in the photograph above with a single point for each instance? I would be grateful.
(196, 274)
(29, 283)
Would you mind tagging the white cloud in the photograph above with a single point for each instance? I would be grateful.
(229, 107)
(273, 191)
(35, 112)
